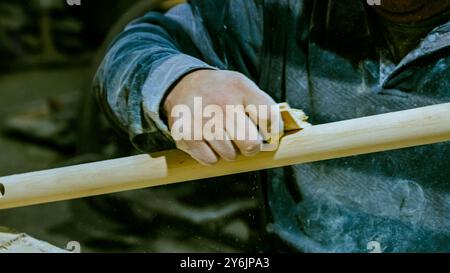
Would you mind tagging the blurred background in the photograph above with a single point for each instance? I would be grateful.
(49, 52)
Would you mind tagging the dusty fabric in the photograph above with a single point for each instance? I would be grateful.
(328, 58)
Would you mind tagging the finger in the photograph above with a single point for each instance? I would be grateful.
(199, 150)
(264, 112)
(221, 143)
(244, 133)
(224, 149)
(267, 111)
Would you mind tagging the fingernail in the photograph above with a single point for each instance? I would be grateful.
(251, 151)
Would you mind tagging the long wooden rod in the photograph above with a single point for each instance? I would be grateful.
(333, 140)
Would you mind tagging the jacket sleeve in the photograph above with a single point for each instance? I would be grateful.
(155, 51)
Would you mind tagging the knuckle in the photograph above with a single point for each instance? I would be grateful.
(237, 79)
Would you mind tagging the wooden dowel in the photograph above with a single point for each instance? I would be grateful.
(334, 140)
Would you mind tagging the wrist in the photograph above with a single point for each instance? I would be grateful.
(184, 84)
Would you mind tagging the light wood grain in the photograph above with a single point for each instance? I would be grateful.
(334, 140)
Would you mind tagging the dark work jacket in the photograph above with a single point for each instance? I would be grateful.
(328, 58)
